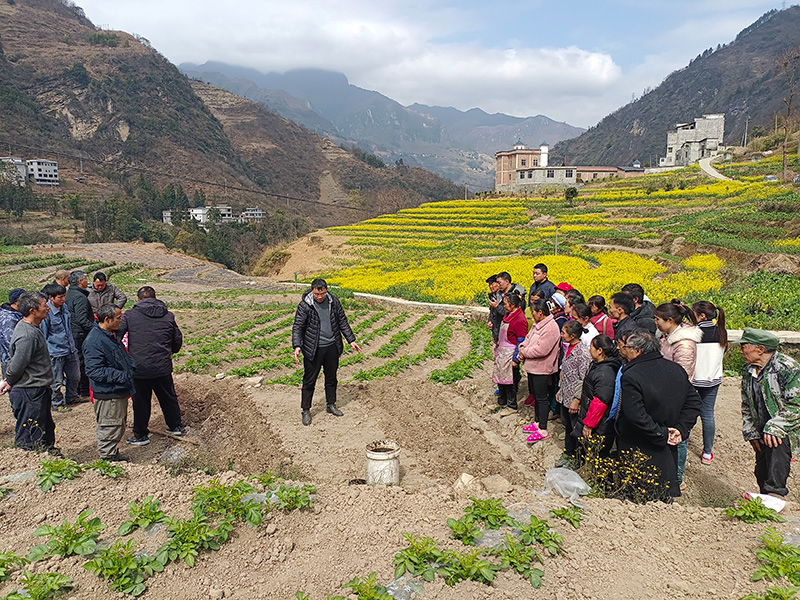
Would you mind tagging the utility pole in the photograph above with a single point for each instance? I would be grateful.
(746, 123)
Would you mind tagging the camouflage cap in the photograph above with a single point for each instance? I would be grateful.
(759, 337)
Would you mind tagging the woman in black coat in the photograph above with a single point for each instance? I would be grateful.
(597, 394)
(657, 409)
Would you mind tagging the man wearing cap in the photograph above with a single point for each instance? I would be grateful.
(770, 408)
(9, 317)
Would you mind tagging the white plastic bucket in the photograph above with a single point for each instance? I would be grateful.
(383, 463)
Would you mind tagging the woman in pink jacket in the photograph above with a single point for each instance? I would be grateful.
(540, 354)
(679, 344)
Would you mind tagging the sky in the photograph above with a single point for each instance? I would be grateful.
(573, 61)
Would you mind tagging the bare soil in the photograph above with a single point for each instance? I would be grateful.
(686, 550)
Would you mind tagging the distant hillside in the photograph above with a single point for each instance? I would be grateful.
(740, 79)
(455, 144)
(69, 91)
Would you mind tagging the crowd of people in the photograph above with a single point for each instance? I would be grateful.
(71, 343)
(637, 376)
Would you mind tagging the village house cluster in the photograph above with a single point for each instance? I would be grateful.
(224, 214)
(38, 170)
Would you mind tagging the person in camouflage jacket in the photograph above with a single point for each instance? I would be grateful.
(770, 408)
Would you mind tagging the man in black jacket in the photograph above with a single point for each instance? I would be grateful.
(658, 407)
(319, 324)
(110, 372)
(82, 320)
(153, 337)
(644, 311)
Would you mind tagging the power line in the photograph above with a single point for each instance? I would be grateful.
(225, 186)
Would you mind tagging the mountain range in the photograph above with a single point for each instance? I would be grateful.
(108, 107)
(741, 79)
(455, 144)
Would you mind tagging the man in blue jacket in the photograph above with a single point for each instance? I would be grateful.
(57, 330)
(9, 317)
(110, 371)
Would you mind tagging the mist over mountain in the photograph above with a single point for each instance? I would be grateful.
(459, 145)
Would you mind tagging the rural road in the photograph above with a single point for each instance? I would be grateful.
(705, 166)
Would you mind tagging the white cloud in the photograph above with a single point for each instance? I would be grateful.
(433, 52)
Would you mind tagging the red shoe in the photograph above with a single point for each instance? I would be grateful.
(530, 400)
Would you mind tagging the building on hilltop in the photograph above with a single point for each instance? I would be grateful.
(689, 142)
(509, 162)
(14, 170)
(252, 214)
(523, 169)
(42, 172)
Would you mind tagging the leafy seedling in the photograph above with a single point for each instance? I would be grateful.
(521, 559)
(778, 559)
(124, 570)
(41, 586)
(106, 469)
(143, 514)
(464, 529)
(752, 510)
(188, 537)
(572, 515)
(490, 511)
(227, 500)
(460, 566)
(293, 497)
(68, 539)
(539, 531)
(368, 588)
(10, 561)
(418, 558)
(775, 593)
(55, 471)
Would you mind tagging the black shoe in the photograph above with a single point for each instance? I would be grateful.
(512, 406)
(331, 408)
(306, 417)
(118, 457)
(177, 431)
(138, 441)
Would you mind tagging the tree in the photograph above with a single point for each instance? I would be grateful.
(788, 63)
(570, 194)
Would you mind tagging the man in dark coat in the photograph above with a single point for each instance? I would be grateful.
(319, 325)
(658, 407)
(620, 307)
(82, 320)
(110, 370)
(644, 311)
(153, 337)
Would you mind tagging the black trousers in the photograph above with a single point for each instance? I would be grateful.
(327, 359)
(772, 468)
(164, 389)
(537, 385)
(35, 428)
(507, 395)
(569, 420)
(83, 382)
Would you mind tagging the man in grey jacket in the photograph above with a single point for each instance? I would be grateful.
(103, 292)
(29, 377)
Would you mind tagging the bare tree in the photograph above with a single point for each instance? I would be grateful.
(788, 63)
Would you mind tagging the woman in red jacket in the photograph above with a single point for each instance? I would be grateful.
(540, 352)
(513, 330)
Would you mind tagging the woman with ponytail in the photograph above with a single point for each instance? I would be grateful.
(600, 319)
(679, 341)
(512, 331)
(597, 393)
(708, 369)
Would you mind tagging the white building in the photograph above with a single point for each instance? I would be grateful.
(14, 170)
(43, 172)
(252, 214)
(200, 214)
(689, 142)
